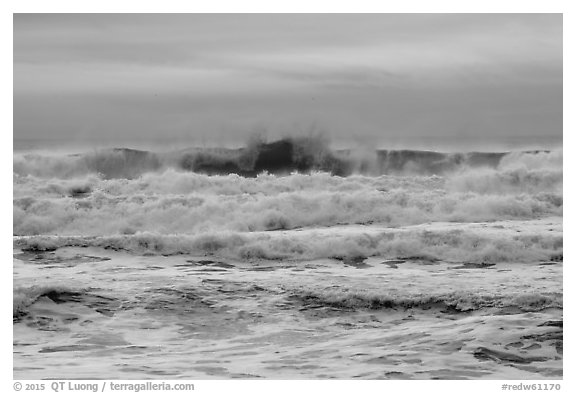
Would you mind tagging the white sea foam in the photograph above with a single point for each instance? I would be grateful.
(461, 242)
(187, 203)
(150, 205)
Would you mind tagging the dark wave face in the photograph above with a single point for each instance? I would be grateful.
(282, 157)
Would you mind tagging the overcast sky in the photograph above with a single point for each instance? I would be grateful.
(351, 75)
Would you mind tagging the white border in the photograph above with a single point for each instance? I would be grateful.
(248, 6)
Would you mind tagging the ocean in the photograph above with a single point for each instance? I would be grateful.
(288, 259)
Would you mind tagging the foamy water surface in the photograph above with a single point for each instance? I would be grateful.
(152, 269)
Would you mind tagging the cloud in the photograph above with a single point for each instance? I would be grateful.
(414, 73)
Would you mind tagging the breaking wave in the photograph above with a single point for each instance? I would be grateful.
(342, 244)
(188, 203)
(294, 154)
(454, 301)
(261, 201)
(191, 299)
(24, 297)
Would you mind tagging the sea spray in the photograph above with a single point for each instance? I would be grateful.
(291, 154)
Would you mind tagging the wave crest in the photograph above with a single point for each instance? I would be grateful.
(453, 301)
(292, 154)
(458, 245)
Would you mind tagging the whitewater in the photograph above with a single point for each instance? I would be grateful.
(288, 259)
